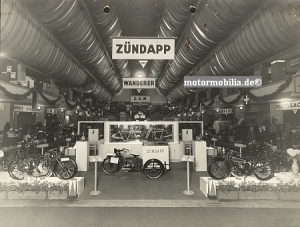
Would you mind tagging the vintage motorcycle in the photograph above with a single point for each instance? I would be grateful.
(232, 164)
(120, 159)
(51, 163)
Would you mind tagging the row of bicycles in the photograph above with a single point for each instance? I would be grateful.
(23, 160)
(262, 162)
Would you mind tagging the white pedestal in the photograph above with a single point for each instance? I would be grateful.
(176, 151)
(199, 150)
(82, 149)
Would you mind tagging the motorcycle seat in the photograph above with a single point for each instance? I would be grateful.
(135, 155)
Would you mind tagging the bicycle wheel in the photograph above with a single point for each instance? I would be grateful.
(218, 169)
(108, 167)
(153, 168)
(14, 171)
(65, 169)
(264, 170)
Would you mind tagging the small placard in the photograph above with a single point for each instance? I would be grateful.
(114, 160)
(65, 159)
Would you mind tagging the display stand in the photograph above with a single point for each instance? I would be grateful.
(95, 159)
(188, 159)
(240, 146)
(42, 146)
(199, 151)
(82, 148)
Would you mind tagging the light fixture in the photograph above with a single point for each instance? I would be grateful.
(39, 107)
(106, 9)
(61, 110)
(192, 9)
(241, 107)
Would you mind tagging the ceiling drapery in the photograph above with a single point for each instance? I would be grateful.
(71, 40)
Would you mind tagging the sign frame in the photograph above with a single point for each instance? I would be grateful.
(143, 48)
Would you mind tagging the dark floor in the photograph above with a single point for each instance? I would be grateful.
(136, 186)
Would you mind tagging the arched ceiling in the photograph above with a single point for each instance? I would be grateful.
(71, 40)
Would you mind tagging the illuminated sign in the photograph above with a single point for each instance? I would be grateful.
(289, 105)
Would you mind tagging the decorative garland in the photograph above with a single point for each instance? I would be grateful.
(71, 106)
(186, 102)
(51, 102)
(17, 97)
(274, 94)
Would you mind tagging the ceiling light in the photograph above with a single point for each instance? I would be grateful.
(192, 9)
(106, 9)
(241, 107)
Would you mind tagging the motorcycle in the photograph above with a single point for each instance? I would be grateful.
(51, 163)
(153, 168)
(232, 164)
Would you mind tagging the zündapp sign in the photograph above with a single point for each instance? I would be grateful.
(143, 48)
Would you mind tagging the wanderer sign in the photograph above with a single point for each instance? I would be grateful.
(138, 83)
(143, 48)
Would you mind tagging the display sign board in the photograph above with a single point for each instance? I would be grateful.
(52, 111)
(291, 105)
(47, 87)
(158, 152)
(143, 48)
(140, 98)
(187, 134)
(22, 108)
(138, 83)
(93, 134)
(295, 62)
(226, 111)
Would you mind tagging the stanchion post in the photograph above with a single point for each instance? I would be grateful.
(95, 159)
(188, 159)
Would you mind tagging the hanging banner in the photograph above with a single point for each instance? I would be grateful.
(140, 98)
(143, 48)
(289, 105)
(139, 83)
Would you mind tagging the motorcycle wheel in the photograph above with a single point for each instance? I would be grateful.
(14, 172)
(218, 169)
(153, 168)
(264, 170)
(108, 167)
(65, 169)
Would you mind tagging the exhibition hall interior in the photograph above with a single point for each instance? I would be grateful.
(187, 100)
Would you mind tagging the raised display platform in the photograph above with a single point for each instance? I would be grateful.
(76, 184)
(208, 185)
